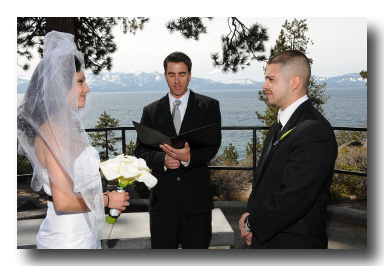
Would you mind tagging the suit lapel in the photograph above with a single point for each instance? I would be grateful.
(265, 153)
(292, 122)
(190, 113)
(165, 112)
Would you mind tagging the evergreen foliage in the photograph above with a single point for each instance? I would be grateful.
(240, 46)
(230, 156)
(364, 74)
(189, 27)
(131, 148)
(93, 36)
(346, 136)
(101, 138)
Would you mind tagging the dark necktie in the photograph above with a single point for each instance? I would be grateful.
(176, 116)
(268, 149)
(277, 133)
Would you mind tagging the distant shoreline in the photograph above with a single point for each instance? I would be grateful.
(216, 90)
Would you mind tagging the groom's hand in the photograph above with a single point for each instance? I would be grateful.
(244, 233)
(183, 154)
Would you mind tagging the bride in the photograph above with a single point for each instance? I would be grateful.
(53, 138)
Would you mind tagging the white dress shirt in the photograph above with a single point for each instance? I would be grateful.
(284, 116)
(183, 105)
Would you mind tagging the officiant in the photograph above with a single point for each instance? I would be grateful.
(181, 204)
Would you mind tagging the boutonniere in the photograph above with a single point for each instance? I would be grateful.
(283, 136)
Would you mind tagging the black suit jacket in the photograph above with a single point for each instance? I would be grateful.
(288, 202)
(190, 186)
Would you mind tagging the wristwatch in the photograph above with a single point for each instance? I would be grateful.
(246, 227)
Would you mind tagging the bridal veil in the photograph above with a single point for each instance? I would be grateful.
(50, 110)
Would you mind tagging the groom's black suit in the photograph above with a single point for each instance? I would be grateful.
(187, 188)
(288, 203)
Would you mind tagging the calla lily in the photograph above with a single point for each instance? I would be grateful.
(148, 179)
(128, 169)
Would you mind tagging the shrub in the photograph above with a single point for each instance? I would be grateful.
(231, 185)
(350, 158)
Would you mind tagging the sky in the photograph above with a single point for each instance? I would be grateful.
(340, 47)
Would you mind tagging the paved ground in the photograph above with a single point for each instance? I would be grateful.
(341, 235)
(347, 228)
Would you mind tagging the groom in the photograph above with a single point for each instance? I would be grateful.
(287, 207)
(181, 204)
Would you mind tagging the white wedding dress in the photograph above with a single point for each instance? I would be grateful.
(72, 230)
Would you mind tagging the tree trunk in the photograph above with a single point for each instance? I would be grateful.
(61, 24)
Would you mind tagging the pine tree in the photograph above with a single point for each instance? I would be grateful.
(131, 148)
(364, 75)
(230, 156)
(101, 138)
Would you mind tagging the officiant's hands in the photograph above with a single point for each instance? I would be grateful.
(171, 163)
(174, 156)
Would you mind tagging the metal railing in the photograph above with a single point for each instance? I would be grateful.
(254, 130)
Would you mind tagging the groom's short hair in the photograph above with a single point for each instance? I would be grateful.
(178, 57)
(295, 63)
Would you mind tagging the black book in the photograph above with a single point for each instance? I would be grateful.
(198, 138)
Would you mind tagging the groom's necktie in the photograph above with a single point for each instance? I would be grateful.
(273, 140)
(269, 146)
(176, 116)
(277, 133)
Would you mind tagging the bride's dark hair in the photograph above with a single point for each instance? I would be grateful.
(33, 104)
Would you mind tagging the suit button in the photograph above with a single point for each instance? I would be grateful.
(178, 179)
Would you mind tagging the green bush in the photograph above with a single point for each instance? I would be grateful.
(344, 187)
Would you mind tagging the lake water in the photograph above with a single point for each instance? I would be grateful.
(346, 107)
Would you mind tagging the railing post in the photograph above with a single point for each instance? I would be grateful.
(123, 141)
(106, 144)
(254, 150)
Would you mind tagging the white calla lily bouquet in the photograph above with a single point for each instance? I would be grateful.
(126, 169)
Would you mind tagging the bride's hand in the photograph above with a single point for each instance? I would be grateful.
(118, 200)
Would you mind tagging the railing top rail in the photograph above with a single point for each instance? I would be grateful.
(224, 128)
(109, 128)
(253, 128)
(350, 128)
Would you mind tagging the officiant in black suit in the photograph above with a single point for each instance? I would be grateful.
(181, 203)
(287, 207)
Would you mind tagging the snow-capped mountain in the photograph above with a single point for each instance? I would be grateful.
(347, 80)
(124, 82)
(22, 84)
